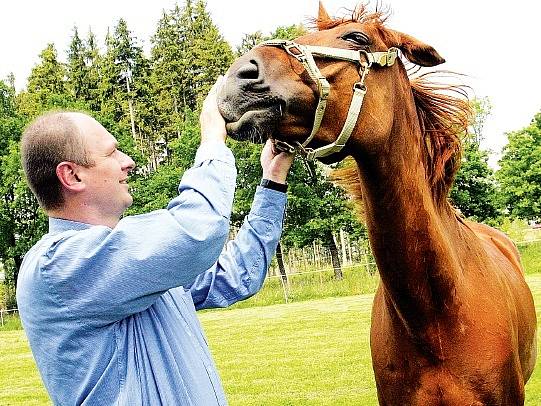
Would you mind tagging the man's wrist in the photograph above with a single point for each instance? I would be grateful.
(270, 184)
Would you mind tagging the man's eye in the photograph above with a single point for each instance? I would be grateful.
(357, 38)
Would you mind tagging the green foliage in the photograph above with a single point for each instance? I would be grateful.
(154, 190)
(282, 32)
(46, 87)
(530, 255)
(515, 228)
(520, 172)
(48, 76)
(22, 223)
(481, 109)
(249, 175)
(316, 208)
(475, 191)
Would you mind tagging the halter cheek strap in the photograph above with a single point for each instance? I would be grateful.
(305, 55)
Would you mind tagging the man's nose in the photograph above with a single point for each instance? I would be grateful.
(127, 163)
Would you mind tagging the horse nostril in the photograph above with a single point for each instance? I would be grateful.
(248, 71)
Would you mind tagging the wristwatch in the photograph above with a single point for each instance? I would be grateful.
(270, 184)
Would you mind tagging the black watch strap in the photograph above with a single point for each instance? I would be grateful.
(270, 184)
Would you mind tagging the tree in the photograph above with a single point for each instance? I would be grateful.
(249, 41)
(21, 223)
(317, 210)
(125, 91)
(481, 110)
(92, 60)
(83, 70)
(282, 32)
(211, 54)
(520, 172)
(77, 71)
(46, 88)
(475, 190)
(48, 76)
(155, 189)
(169, 74)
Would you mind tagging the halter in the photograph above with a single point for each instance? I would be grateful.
(305, 55)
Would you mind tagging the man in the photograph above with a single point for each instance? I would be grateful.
(108, 304)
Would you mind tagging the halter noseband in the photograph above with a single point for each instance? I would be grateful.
(305, 55)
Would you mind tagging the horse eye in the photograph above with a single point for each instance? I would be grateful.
(357, 38)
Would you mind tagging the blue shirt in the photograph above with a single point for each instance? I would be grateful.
(110, 313)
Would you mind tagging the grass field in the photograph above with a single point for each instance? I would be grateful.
(307, 353)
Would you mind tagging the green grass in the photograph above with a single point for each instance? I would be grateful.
(21, 384)
(530, 255)
(316, 285)
(11, 322)
(307, 353)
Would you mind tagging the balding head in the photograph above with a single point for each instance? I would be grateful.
(49, 140)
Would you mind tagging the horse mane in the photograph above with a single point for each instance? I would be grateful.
(443, 111)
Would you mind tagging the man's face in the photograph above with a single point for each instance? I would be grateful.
(106, 181)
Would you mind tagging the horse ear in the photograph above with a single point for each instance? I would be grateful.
(417, 51)
(323, 17)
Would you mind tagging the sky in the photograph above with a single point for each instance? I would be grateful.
(493, 43)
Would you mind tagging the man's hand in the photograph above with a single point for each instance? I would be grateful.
(212, 122)
(275, 165)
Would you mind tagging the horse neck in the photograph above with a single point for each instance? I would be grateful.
(411, 233)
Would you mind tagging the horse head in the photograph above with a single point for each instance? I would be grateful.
(305, 92)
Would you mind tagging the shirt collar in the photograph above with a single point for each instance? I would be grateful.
(57, 225)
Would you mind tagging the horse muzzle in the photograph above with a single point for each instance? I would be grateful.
(247, 102)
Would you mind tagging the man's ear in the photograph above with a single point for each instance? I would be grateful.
(416, 51)
(68, 174)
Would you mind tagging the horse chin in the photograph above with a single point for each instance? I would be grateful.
(255, 125)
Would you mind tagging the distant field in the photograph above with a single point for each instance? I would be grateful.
(307, 353)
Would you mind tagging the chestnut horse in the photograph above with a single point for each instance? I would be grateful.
(453, 320)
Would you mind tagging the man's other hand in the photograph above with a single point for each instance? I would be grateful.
(275, 164)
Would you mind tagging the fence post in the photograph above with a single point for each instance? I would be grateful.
(343, 246)
(284, 287)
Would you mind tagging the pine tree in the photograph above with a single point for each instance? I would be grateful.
(168, 69)
(77, 71)
(48, 77)
(125, 92)
(212, 55)
(92, 60)
(188, 54)
(46, 87)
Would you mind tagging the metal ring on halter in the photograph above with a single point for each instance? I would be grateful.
(300, 56)
(359, 86)
(283, 146)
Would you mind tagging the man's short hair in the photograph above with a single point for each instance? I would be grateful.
(48, 140)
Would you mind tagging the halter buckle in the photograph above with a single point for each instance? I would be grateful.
(290, 47)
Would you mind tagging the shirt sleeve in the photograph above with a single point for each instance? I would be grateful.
(103, 275)
(242, 267)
